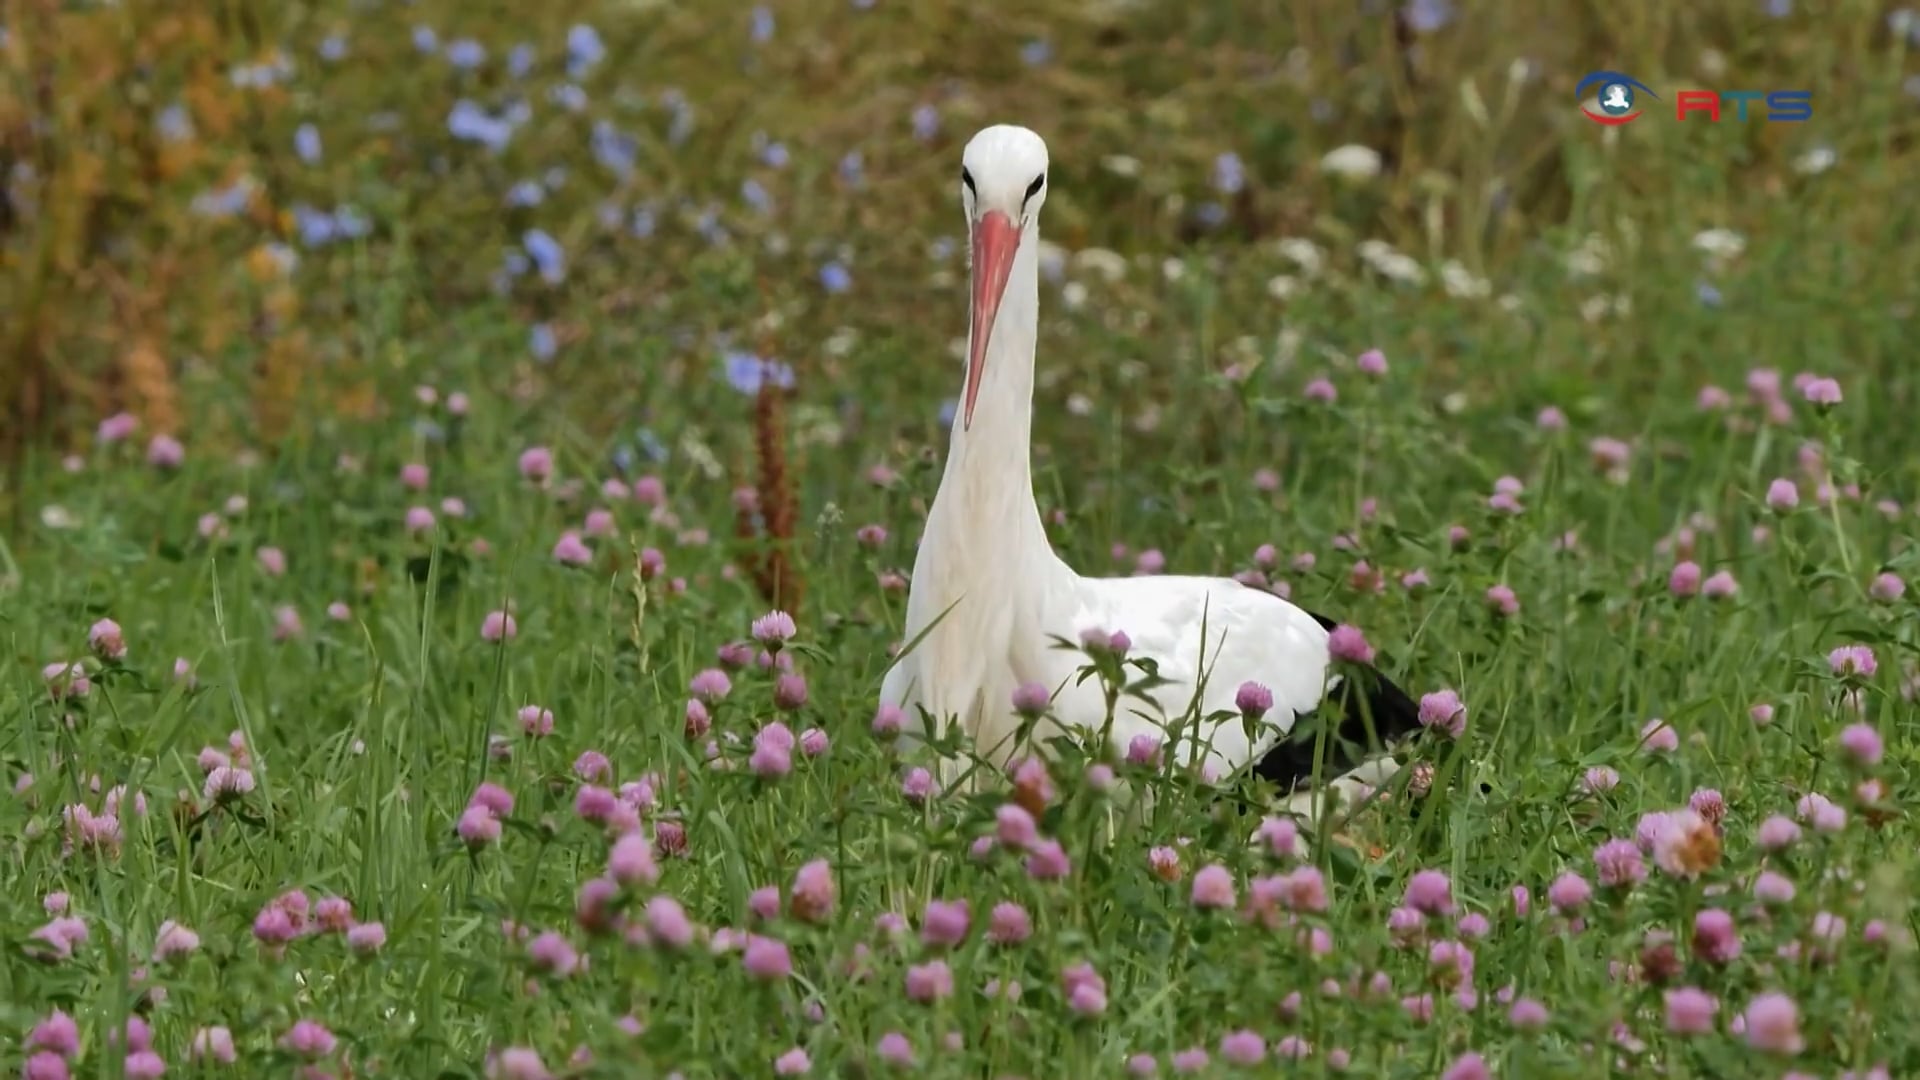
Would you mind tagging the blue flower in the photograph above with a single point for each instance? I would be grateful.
(681, 129)
(466, 53)
(319, 228)
(351, 223)
(568, 97)
(762, 29)
(260, 76)
(614, 149)
(1036, 52)
(227, 201)
(1229, 175)
(513, 264)
(584, 49)
(425, 40)
(747, 372)
(1426, 16)
(1211, 214)
(926, 122)
(542, 343)
(174, 123)
(1709, 294)
(526, 193)
(520, 60)
(623, 459)
(643, 224)
(681, 125)
(853, 169)
(469, 122)
(285, 256)
(835, 278)
(547, 255)
(333, 48)
(775, 155)
(756, 196)
(306, 143)
(316, 227)
(651, 445)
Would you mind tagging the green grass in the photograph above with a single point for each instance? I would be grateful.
(1171, 416)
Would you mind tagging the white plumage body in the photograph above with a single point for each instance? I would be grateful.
(1192, 627)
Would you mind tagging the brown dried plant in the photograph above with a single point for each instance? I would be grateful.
(766, 548)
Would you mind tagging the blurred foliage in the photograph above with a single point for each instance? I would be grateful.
(211, 212)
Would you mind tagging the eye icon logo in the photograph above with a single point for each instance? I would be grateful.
(1616, 95)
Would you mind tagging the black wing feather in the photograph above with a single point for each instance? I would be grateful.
(1372, 713)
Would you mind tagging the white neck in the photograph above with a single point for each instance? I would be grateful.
(985, 570)
(986, 493)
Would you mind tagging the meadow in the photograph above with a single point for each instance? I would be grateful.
(465, 464)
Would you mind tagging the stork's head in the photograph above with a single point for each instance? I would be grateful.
(1003, 183)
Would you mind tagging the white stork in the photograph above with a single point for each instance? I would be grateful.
(988, 582)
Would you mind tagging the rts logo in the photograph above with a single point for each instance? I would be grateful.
(1616, 97)
(1618, 103)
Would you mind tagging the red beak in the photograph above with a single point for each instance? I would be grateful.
(995, 239)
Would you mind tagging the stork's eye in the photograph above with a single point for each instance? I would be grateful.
(1034, 188)
(967, 179)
